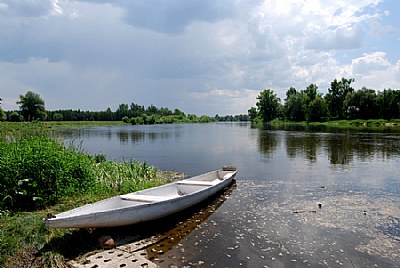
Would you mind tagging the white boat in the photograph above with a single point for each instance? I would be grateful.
(145, 205)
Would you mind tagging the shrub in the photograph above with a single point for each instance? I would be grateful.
(125, 119)
(37, 171)
(16, 117)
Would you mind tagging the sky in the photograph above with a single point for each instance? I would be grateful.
(204, 57)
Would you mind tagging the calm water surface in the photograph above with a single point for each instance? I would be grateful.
(304, 196)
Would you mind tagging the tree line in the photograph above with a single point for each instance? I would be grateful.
(341, 102)
(32, 108)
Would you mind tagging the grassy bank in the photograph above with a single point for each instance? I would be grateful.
(38, 175)
(359, 123)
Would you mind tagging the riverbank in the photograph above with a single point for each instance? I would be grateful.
(40, 176)
(359, 123)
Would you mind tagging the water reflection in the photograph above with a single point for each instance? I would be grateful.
(268, 142)
(341, 148)
(304, 145)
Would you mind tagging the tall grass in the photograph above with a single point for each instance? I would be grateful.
(125, 177)
(36, 171)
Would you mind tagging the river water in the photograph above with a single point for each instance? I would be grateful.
(304, 196)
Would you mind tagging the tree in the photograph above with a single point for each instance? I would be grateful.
(311, 93)
(32, 106)
(295, 107)
(317, 110)
(136, 110)
(361, 104)
(123, 110)
(178, 112)
(3, 115)
(58, 117)
(336, 96)
(313, 102)
(291, 91)
(252, 113)
(152, 109)
(16, 117)
(268, 105)
(389, 103)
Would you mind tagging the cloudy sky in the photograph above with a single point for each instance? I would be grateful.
(201, 56)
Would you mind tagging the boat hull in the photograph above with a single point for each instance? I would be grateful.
(146, 205)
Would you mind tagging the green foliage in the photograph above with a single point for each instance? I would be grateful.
(3, 116)
(236, 118)
(58, 117)
(389, 103)
(134, 114)
(268, 105)
(336, 96)
(317, 110)
(36, 171)
(16, 117)
(32, 106)
(151, 119)
(295, 107)
(341, 102)
(125, 119)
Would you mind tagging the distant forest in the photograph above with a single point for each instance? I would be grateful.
(133, 113)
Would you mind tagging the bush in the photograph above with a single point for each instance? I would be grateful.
(16, 117)
(37, 171)
(125, 119)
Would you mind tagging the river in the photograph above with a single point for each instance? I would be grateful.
(304, 196)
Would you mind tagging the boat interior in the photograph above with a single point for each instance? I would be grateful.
(179, 188)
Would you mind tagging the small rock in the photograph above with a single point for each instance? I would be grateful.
(106, 242)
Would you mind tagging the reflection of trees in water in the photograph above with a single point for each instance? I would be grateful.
(138, 136)
(158, 135)
(267, 142)
(341, 147)
(123, 137)
(305, 145)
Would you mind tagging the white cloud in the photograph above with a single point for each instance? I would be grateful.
(349, 37)
(375, 71)
(370, 63)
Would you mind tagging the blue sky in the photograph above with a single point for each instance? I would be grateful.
(201, 56)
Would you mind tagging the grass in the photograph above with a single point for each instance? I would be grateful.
(78, 124)
(358, 123)
(38, 175)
